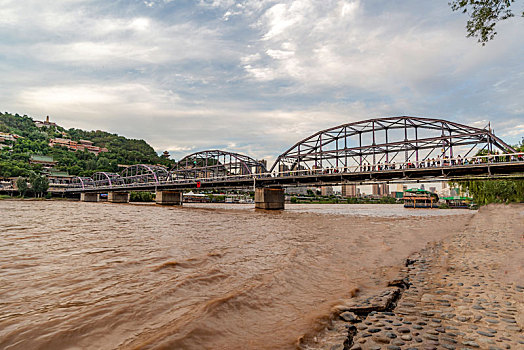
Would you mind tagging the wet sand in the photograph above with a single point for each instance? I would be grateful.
(463, 292)
(106, 276)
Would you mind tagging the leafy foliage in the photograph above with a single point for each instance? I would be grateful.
(495, 191)
(484, 15)
(135, 196)
(39, 184)
(21, 184)
(15, 162)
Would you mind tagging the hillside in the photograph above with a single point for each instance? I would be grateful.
(34, 140)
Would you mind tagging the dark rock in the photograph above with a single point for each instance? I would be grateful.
(349, 317)
(431, 337)
(489, 320)
(394, 347)
(449, 340)
(398, 342)
(486, 334)
(390, 335)
(470, 343)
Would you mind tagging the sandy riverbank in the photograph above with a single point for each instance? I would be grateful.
(463, 292)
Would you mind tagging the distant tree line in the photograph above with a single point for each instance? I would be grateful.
(495, 191)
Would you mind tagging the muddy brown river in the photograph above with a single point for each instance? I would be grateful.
(120, 276)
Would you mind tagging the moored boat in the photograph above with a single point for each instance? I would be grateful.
(417, 198)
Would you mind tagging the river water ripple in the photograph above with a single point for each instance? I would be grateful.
(103, 276)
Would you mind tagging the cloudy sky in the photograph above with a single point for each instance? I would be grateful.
(253, 76)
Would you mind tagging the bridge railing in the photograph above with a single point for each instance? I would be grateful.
(443, 163)
(435, 163)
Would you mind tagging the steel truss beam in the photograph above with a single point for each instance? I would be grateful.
(417, 137)
(216, 163)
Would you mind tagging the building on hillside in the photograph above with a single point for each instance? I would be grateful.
(380, 190)
(57, 177)
(4, 136)
(46, 122)
(82, 145)
(85, 143)
(46, 161)
(165, 155)
(350, 191)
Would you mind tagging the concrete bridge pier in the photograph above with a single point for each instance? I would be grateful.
(118, 197)
(169, 197)
(88, 197)
(269, 198)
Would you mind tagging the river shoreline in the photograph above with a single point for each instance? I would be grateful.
(465, 291)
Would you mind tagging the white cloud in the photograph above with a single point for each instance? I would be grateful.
(254, 76)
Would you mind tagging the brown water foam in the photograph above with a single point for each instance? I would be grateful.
(102, 276)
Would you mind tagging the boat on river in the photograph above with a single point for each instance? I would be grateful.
(417, 198)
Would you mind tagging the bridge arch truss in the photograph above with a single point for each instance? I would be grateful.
(217, 164)
(144, 174)
(388, 140)
(82, 182)
(105, 179)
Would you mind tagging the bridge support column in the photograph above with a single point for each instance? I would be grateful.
(169, 197)
(88, 197)
(269, 198)
(118, 197)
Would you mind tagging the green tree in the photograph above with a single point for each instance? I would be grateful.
(21, 184)
(39, 184)
(484, 15)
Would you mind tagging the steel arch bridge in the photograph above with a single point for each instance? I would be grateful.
(383, 149)
(131, 176)
(386, 141)
(217, 164)
(144, 173)
(106, 179)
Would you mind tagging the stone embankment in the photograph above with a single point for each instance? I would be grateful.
(466, 292)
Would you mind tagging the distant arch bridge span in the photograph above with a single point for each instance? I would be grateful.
(374, 150)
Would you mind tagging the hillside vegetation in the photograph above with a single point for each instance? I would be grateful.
(35, 141)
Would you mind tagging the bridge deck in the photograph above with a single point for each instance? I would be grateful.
(331, 177)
